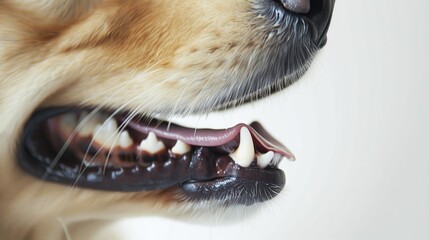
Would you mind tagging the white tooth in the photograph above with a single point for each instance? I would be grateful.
(86, 128)
(110, 128)
(245, 152)
(89, 124)
(68, 122)
(181, 148)
(111, 124)
(125, 139)
(106, 134)
(99, 134)
(151, 144)
(265, 159)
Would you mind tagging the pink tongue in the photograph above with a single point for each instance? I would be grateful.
(262, 140)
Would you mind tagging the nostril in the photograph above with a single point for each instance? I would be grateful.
(320, 14)
(316, 8)
(297, 6)
(317, 13)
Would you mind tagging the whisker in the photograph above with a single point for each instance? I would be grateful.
(68, 141)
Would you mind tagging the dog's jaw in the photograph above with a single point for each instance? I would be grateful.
(154, 155)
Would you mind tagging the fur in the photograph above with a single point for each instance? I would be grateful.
(146, 56)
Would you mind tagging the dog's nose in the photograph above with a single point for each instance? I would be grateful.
(317, 13)
(297, 6)
(320, 14)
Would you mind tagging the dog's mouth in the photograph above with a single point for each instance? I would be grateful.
(119, 151)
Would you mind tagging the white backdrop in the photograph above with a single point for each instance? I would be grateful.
(358, 124)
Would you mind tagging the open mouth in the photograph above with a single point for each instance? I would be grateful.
(121, 152)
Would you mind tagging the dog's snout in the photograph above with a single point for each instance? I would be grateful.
(297, 6)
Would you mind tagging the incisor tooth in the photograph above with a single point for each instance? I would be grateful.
(125, 139)
(245, 152)
(151, 144)
(181, 148)
(264, 159)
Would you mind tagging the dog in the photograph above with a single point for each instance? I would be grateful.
(85, 84)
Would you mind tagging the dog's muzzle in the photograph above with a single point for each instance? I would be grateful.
(118, 151)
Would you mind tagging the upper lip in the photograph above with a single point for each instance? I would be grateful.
(212, 137)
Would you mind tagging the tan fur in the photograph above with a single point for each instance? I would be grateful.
(139, 55)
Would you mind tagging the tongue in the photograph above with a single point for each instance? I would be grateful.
(262, 140)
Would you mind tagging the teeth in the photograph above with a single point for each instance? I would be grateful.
(111, 125)
(100, 136)
(125, 139)
(68, 122)
(151, 144)
(245, 152)
(90, 124)
(181, 148)
(106, 134)
(264, 160)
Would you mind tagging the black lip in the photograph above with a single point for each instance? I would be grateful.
(232, 190)
(236, 186)
(202, 174)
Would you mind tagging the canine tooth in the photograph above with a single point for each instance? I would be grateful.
(125, 139)
(245, 152)
(181, 148)
(151, 144)
(264, 159)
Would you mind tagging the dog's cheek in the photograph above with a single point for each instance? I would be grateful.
(162, 65)
(47, 12)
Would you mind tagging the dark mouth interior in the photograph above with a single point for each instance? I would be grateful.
(117, 152)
